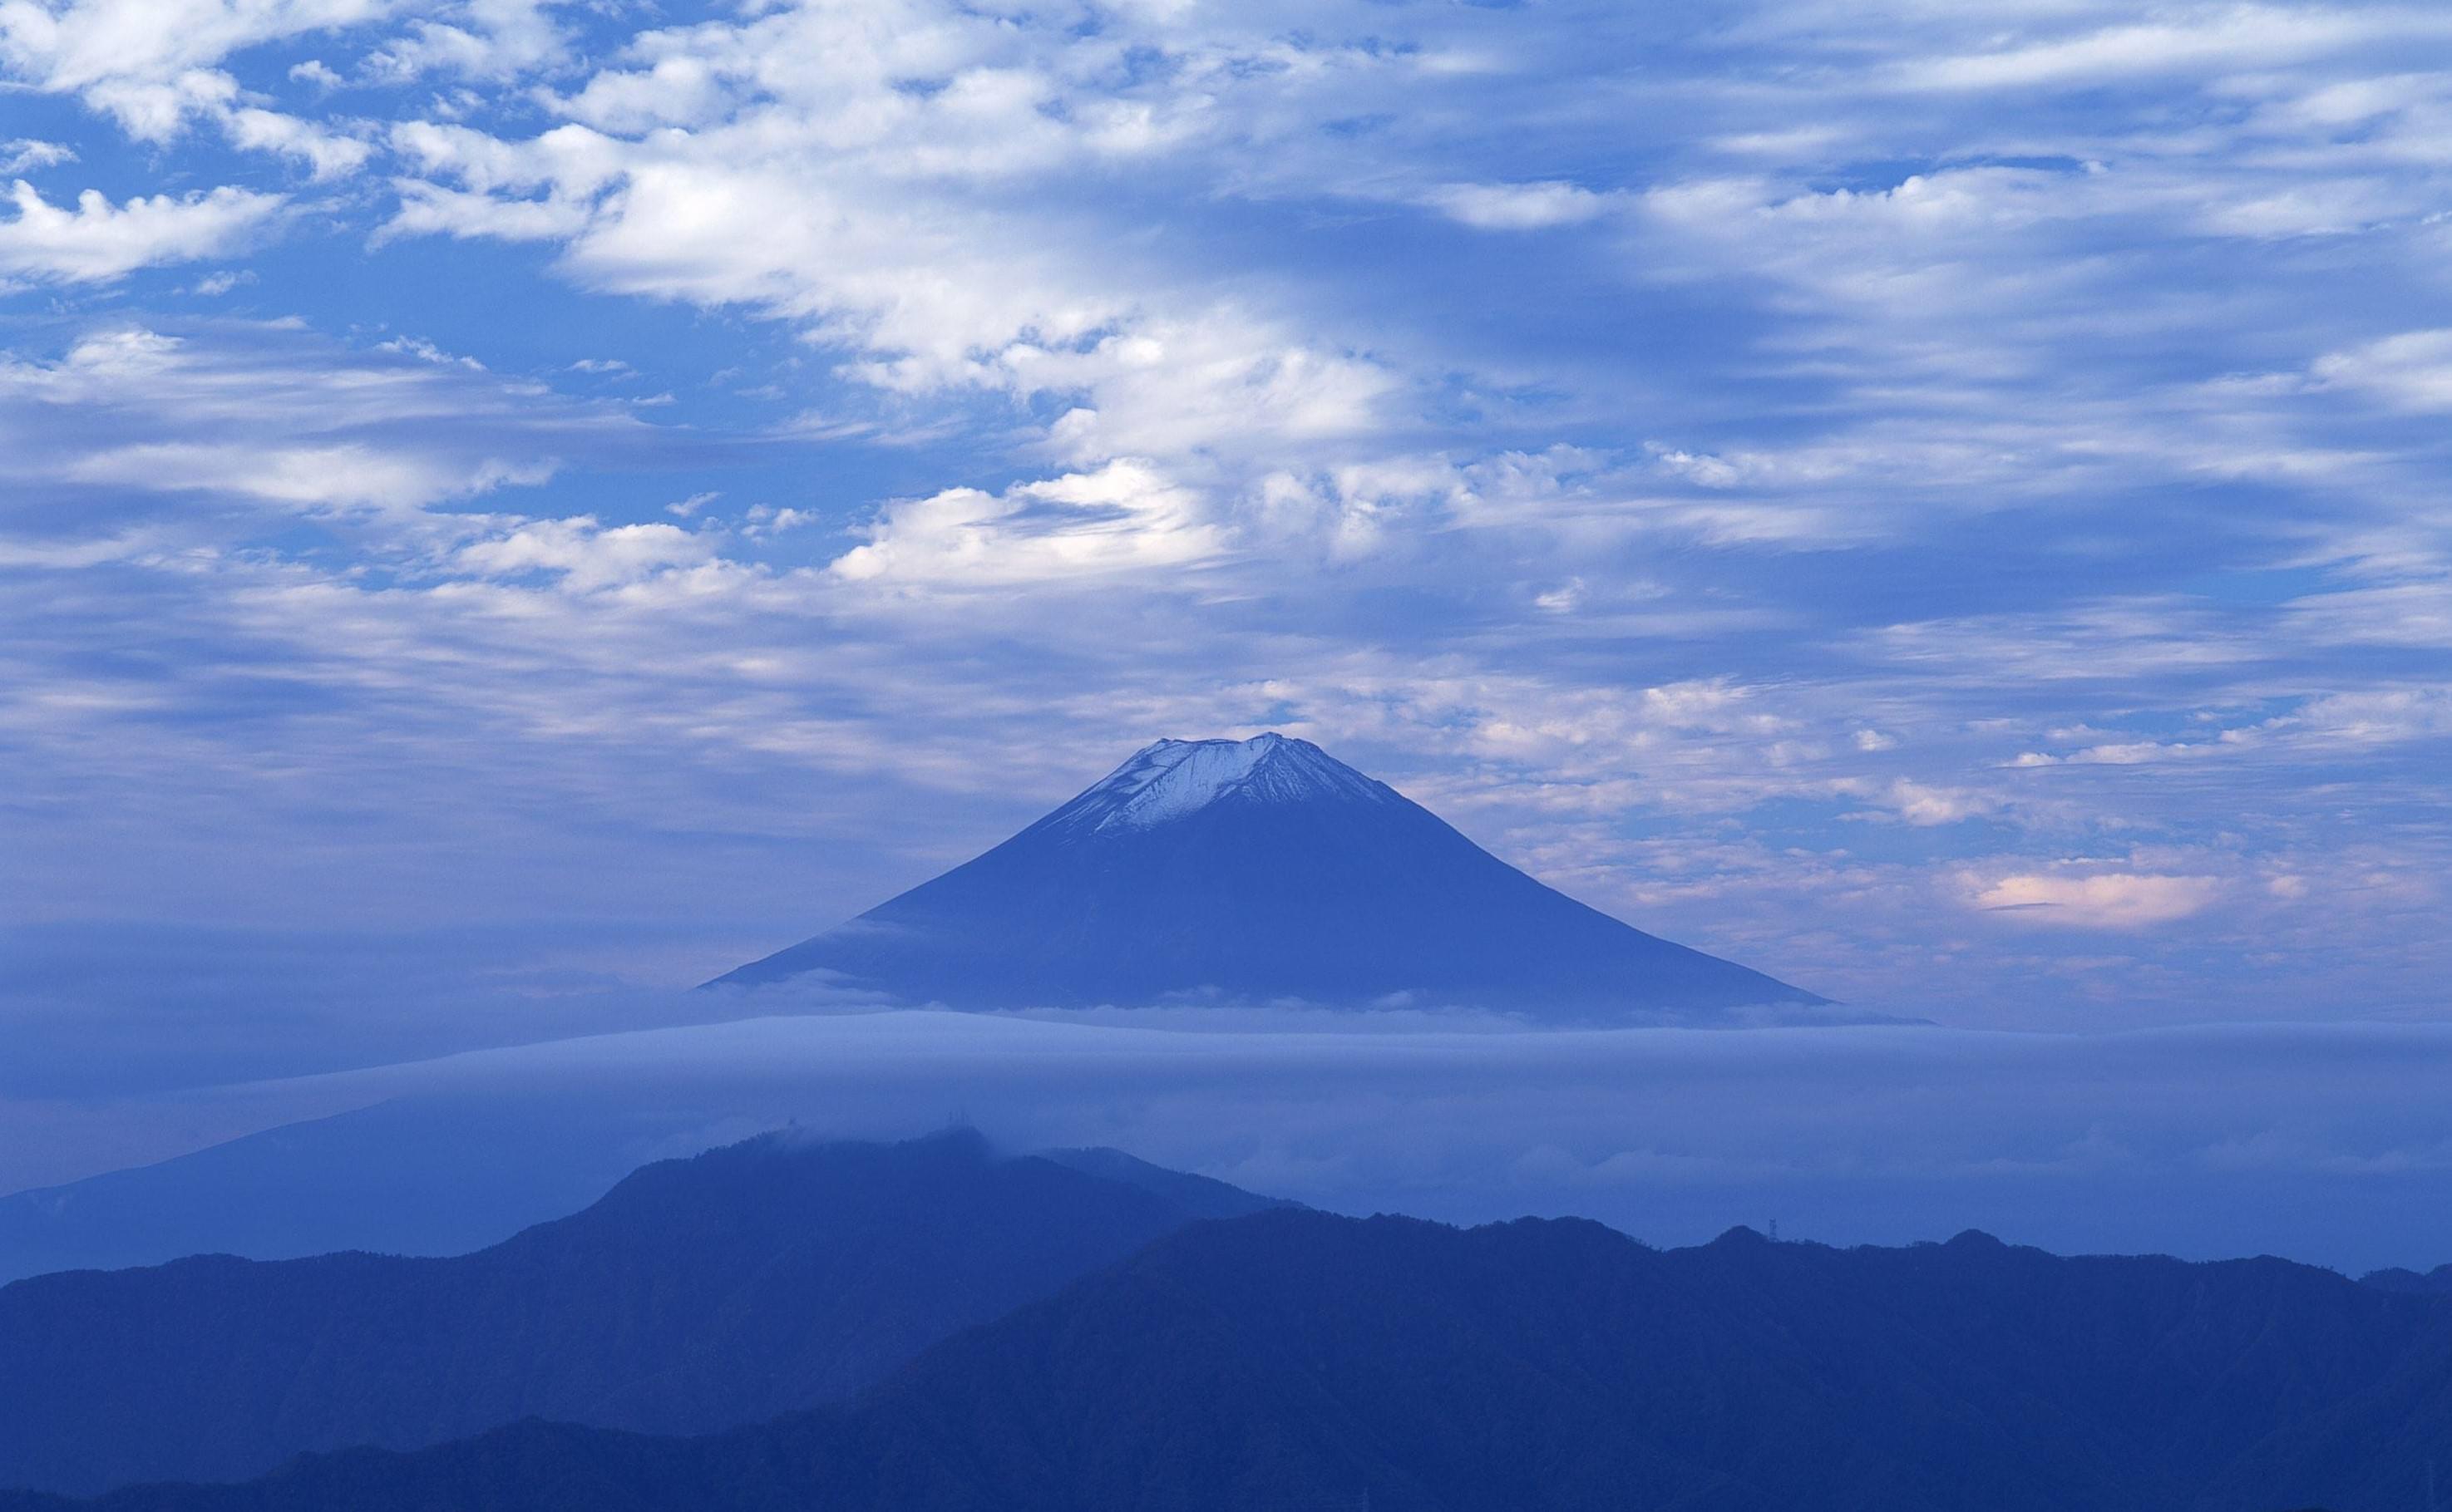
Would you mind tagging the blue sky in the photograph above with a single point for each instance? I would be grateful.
(507, 508)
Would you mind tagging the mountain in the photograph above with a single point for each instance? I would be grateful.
(697, 1294)
(2437, 1281)
(1295, 1359)
(1256, 871)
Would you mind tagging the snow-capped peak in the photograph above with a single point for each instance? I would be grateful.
(1172, 779)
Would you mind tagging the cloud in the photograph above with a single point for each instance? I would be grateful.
(1923, 805)
(129, 423)
(2410, 371)
(1126, 517)
(2315, 1142)
(82, 43)
(24, 155)
(485, 40)
(326, 154)
(1517, 207)
(343, 477)
(813, 188)
(2110, 900)
(2221, 37)
(2379, 716)
(584, 555)
(97, 242)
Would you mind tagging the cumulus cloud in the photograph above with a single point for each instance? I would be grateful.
(97, 242)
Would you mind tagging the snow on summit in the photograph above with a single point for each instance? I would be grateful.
(1172, 779)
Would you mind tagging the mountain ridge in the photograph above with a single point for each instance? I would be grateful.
(1293, 1358)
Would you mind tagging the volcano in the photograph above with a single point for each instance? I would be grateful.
(1262, 871)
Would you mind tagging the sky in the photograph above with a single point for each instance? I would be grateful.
(511, 508)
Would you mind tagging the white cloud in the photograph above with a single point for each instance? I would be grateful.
(1925, 805)
(24, 155)
(426, 351)
(262, 414)
(1565, 599)
(2107, 900)
(76, 45)
(815, 186)
(2140, 753)
(485, 40)
(2415, 613)
(2410, 371)
(1123, 518)
(2215, 37)
(2377, 716)
(154, 65)
(159, 110)
(1517, 207)
(585, 555)
(97, 242)
(326, 154)
(346, 476)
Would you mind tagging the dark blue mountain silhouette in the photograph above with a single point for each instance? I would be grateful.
(697, 1295)
(1256, 871)
(1298, 1360)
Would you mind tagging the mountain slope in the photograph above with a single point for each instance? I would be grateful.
(1255, 871)
(424, 1176)
(697, 1295)
(1293, 1359)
